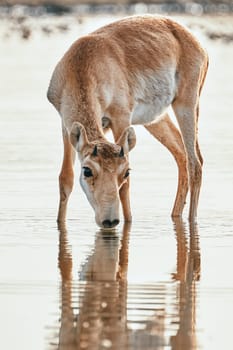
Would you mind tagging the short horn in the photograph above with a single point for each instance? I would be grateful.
(95, 151)
(121, 154)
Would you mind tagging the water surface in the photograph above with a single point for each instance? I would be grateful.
(157, 284)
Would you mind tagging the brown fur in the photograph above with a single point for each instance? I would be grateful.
(129, 71)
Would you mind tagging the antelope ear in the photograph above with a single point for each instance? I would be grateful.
(78, 136)
(127, 141)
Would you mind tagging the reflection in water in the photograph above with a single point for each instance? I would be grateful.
(67, 338)
(188, 272)
(101, 311)
(102, 294)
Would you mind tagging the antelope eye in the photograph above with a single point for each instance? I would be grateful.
(87, 172)
(126, 174)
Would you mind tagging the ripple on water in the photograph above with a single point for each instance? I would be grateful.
(101, 308)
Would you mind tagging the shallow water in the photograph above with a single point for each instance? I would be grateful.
(155, 285)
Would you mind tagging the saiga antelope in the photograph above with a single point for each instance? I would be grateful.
(124, 74)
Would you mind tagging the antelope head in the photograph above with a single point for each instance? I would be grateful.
(104, 170)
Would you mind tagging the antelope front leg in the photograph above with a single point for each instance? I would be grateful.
(125, 201)
(117, 130)
(66, 177)
(167, 133)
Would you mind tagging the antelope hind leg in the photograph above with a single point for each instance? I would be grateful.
(166, 132)
(187, 119)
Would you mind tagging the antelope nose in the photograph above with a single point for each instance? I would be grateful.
(110, 224)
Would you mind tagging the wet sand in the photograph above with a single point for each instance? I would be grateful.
(154, 285)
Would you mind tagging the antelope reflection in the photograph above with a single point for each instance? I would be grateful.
(97, 318)
(188, 272)
(101, 320)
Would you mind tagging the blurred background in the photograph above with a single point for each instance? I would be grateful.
(18, 13)
(169, 286)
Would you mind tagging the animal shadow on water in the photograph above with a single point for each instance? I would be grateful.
(94, 308)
